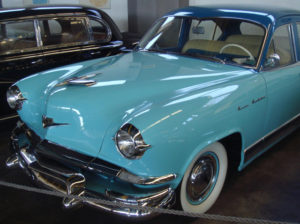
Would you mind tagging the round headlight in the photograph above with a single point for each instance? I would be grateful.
(130, 142)
(14, 98)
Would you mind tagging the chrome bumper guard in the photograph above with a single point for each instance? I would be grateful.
(65, 180)
(71, 183)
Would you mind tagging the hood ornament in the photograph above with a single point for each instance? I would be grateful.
(84, 80)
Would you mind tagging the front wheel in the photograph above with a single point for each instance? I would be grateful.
(204, 179)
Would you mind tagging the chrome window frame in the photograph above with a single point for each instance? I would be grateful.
(104, 23)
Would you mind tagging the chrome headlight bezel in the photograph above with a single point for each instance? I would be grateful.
(130, 143)
(15, 98)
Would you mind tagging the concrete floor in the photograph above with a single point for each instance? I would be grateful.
(269, 188)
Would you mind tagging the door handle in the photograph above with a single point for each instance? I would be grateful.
(96, 52)
(37, 61)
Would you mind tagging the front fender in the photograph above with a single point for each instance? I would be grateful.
(177, 130)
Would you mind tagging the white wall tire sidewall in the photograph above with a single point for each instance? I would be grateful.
(220, 151)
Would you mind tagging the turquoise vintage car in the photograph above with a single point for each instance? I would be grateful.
(206, 89)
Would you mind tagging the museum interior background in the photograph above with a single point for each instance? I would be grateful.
(134, 17)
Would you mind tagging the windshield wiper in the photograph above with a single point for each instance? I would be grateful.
(155, 50)
(211, 58)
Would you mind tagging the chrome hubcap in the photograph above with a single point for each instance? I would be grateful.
(202, 178)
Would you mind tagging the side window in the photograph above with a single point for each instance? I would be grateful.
(17, 37)
(204, 30)
(251, 29)
(280, 45)
(171, 28)
(100, 32)
(63, 31)
(2, 31)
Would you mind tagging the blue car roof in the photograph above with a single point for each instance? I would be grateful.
(260, 14)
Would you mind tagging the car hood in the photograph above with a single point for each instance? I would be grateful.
(125, 85)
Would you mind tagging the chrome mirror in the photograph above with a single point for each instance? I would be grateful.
(272, 61)
(135, 44)
(113, 44)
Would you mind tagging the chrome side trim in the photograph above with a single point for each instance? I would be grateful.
(26, 56)
(7, 82)
(267, 140)
(58, 51)
(8, 118)
(272, 132)
(75, 49)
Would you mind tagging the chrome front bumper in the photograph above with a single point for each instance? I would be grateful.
(66, 180)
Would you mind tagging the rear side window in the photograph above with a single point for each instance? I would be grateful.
(100, 31)
(17, 37)
(63, 31)
(281, 45)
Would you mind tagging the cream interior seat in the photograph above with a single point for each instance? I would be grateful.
(250, 42)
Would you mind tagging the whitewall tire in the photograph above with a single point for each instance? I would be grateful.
(204, 179)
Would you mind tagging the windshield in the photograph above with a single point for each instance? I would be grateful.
(231, 41)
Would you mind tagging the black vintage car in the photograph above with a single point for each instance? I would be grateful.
(39, 38)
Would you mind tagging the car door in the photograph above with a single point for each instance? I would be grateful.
(20, 55)
(282, 75)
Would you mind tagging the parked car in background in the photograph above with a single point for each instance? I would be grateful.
(206, 88)
(39, 38)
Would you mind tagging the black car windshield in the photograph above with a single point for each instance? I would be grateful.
(224, 40)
